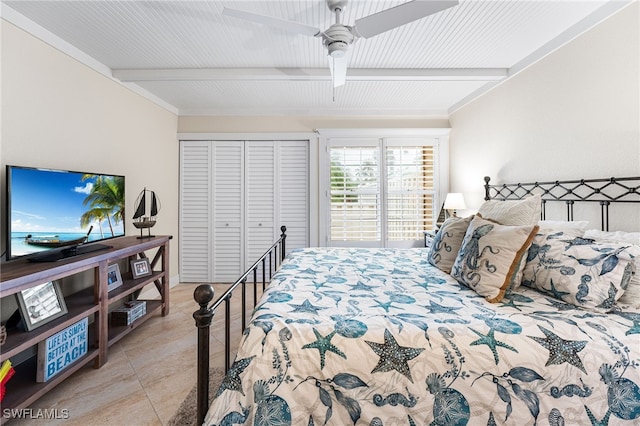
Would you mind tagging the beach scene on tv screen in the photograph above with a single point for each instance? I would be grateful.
(52, 209)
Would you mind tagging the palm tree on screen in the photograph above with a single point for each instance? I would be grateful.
(105, 201)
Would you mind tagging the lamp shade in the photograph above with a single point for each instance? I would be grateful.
(454, 201)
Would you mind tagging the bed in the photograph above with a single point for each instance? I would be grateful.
(430, 336)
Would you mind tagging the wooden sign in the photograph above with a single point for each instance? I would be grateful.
(62, 349)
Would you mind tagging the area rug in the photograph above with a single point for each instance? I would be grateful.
(186, 414)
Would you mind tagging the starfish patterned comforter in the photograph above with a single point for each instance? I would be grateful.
(380, 337)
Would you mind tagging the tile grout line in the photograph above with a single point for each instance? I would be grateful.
(139, 379)
(187, 316)
(147, 396)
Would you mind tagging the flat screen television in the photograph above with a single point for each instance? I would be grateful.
(54, 214)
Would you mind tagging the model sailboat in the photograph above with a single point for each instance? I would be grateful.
(147, 207)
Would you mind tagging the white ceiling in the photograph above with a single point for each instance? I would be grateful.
(197, 61)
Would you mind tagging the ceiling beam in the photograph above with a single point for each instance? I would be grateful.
(310, 74)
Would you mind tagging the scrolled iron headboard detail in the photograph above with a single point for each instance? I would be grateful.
(603, 191)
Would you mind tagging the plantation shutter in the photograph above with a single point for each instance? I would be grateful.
(355, 191)
(382, 191)
(410, 190)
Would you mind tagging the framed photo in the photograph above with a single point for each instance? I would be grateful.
(140, 268)
(114, 279)
(40, 304)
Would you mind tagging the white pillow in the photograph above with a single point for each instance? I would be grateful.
(574, 226)
(615, 236)
(513, 212)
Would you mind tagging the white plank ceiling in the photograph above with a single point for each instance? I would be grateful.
(194, 59)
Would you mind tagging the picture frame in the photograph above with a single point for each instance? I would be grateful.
(114, 279)
(140, 268)
(41, 304)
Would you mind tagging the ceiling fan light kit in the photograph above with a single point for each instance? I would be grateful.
(337, 40)
(338, 37)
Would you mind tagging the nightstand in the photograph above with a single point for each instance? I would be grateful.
(429, 236)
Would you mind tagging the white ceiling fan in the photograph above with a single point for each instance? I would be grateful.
(338, 37)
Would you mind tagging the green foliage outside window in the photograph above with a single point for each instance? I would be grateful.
(341, 181)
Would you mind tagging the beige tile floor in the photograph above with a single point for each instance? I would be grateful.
(148, 373)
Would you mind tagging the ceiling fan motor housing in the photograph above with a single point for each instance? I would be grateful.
(337, 39)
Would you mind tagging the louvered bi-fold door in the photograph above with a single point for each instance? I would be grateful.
(293, 191)
(234, 197)
(195, 210)
(260, 198)
(228, 209)
(277, 179)
(211, 211)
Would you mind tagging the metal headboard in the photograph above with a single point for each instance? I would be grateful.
(602, 191)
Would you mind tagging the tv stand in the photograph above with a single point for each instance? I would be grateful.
(94, 302)
(68, 252)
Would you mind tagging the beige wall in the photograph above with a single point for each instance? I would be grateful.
(574, 114)
(204, 124)
(58, 113)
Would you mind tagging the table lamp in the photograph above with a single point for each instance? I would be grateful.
(453, 202)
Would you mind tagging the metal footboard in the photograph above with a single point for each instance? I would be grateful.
(268, 263)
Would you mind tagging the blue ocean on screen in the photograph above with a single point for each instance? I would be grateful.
(20, 247)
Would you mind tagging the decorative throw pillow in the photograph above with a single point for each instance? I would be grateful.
(579, 270)
(447, 242)
(513, 212)
(631, 296)
(490, 258)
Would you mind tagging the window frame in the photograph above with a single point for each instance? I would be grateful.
(438, 138)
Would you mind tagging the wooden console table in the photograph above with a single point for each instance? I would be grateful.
(93, 303)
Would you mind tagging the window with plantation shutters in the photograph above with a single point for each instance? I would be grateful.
(382, 191)
(410, 191)
(355, 193)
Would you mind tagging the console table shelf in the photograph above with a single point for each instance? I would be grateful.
(94, 302)
(117, 332)
(79, 305)
(130, 286)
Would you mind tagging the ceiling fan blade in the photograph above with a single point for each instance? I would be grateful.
(338, 68)
(292, 26)
(397, 16)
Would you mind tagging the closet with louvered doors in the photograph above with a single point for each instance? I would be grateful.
(234, 196)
